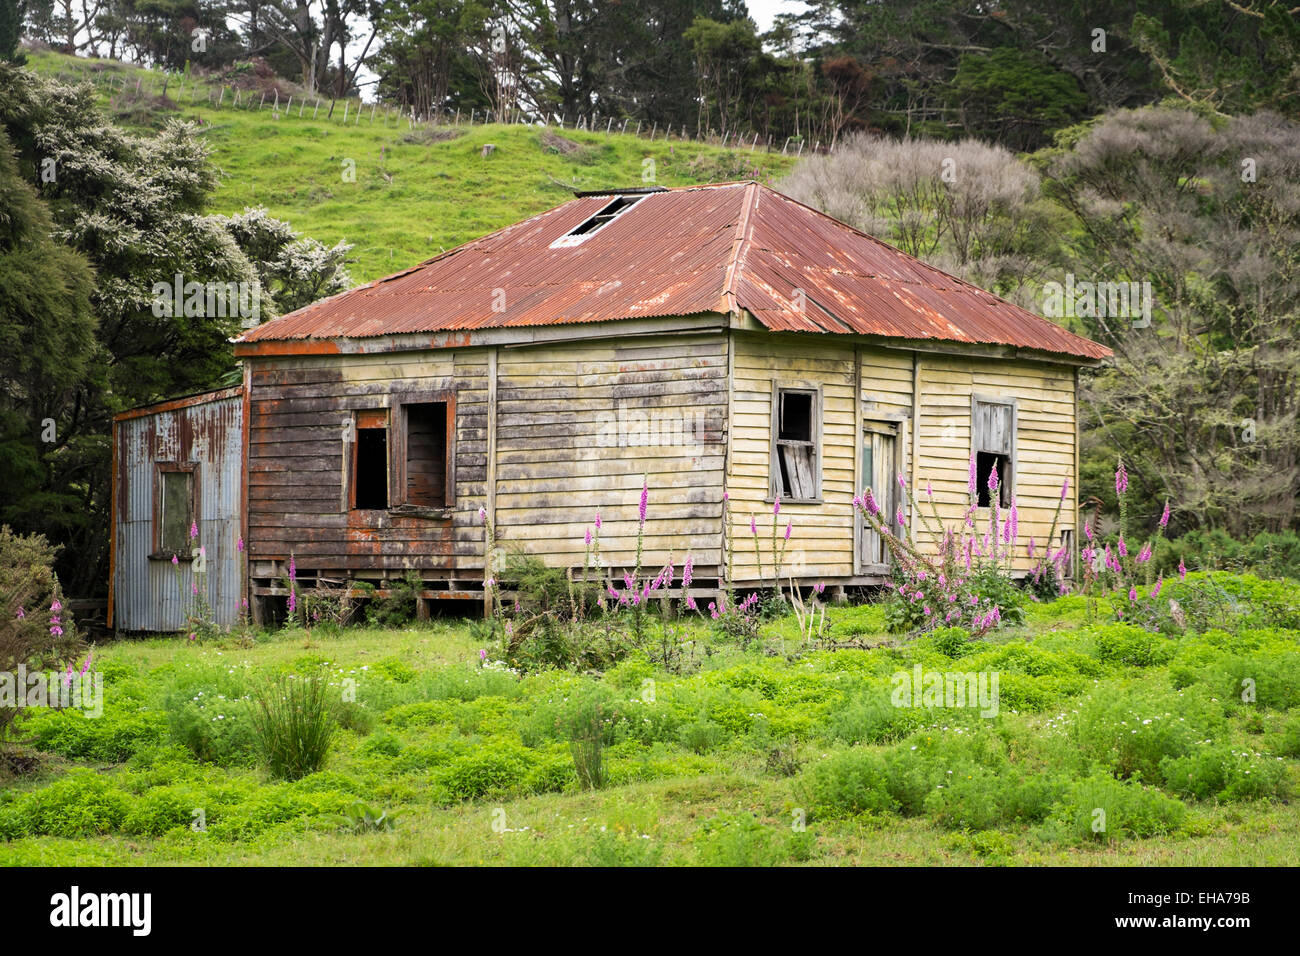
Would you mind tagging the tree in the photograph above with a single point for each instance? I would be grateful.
(12, 13)
(969, 208)
(1203, 400)
(47, 345)
(134, 206)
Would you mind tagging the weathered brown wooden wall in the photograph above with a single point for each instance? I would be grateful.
(297, 460)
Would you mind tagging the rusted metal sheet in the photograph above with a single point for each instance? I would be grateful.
(206, 432)
(677, 252)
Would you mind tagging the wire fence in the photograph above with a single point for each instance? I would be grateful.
(188, 90)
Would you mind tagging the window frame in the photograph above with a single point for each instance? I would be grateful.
(1007, 488)
(774, 489)
(397, 496)
(891, 426)
(357, 415)
(395, 422)
(190, 468)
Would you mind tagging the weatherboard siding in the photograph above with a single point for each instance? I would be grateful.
(1044, 442)
(580, 426)
(297, 458)
(821, 538)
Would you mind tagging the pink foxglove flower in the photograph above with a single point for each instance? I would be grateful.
(194, 530)
(1182, 569)
(993, 479)
(645, 501)
(1164, 517)
(175, 560)
(1121, 478)
(1160, 582)
(597, 520)
(239, 545)
(587, 537)
(776, 507)
(788, 529)
(1065, 488)
(753, 527)
(1132, 594)
(869, 502)
(21, 614)
(972, 474)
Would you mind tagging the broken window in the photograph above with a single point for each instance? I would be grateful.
(796, 471)
(608, 213)
(993, 443)
(881, 464)
(426, 454)
(370, 461)
(175, 509)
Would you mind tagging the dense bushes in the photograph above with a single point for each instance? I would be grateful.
(1268, 554)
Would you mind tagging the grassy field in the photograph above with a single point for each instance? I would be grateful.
(714, 760)
(402, 195)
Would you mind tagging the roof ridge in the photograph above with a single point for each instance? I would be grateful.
(739, 244)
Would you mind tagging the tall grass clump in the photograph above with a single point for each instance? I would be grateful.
(294, 724)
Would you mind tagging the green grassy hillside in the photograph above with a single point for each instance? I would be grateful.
(416, 191)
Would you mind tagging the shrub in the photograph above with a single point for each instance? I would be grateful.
(1101, 808)
(854, 781)
(494, 768)
(871, 718)
(1226, 773)
(1134, 646)
(397, 609)
(294, 724)
(81, 804)
(742, 840)
(981, 800)
(1288, 741)
(1131, 732)
(113, 737)
(36, 631)
(214, 728)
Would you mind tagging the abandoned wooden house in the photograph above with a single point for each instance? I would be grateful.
(729, 346)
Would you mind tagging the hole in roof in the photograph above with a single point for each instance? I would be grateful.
(588, 227)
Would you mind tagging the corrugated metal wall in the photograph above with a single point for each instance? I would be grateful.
(155, 595)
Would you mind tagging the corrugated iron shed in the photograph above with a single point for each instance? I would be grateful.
(204, 432)
(720, 248)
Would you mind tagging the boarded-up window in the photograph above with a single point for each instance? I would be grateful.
(370, 461)
(993, 443)
(880, 467)
(426, 454)
(796, 430)
(175, 510)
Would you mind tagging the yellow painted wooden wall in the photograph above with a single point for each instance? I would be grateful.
(580, 424)
(822, 540)
(1045, 438)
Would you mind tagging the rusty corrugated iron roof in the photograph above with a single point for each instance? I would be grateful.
(725, 247)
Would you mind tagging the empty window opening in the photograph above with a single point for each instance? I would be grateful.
(993, 443)
(795, 468)
(985, 464)
(608, 213)
(426, 454)
(371, 481)
(176, 511)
